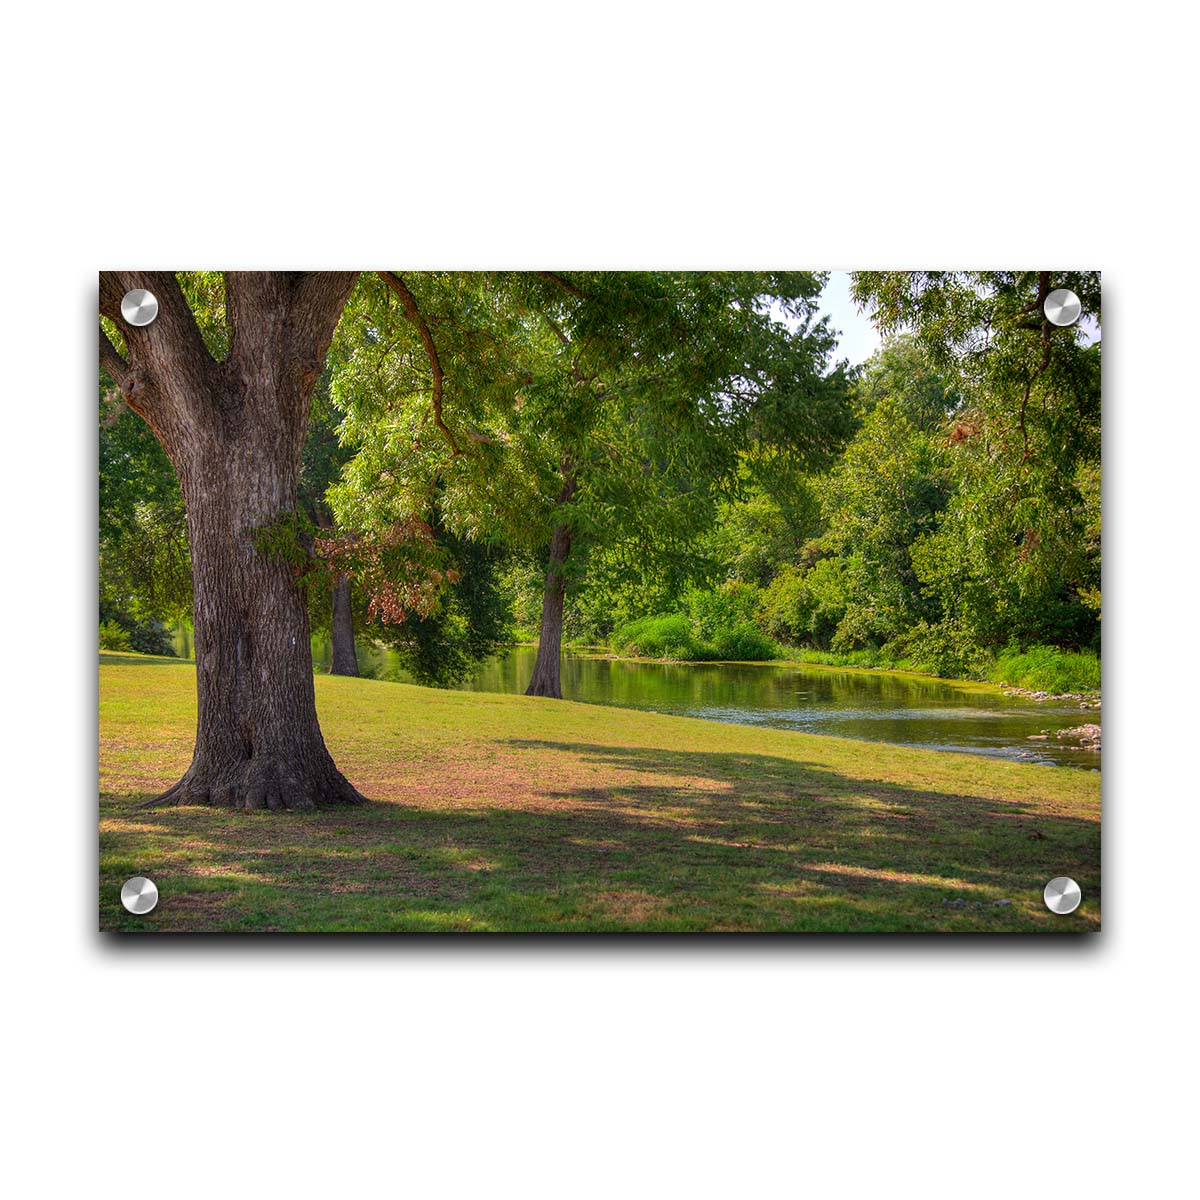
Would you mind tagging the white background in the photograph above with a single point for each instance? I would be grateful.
(857, 135)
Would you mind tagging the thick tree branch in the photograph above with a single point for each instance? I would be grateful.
(1045, 330)
(413, 313)
(561, 282)
(555, 328)
(111, 292)
(173, 336)
(167, 350)
(318, 298)
(111, 360)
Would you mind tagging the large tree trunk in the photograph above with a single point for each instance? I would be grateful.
(258, 742)
(547, 670)
(234, 431)
(345, 657)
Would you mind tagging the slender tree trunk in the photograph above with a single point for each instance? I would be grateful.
(547, 670)
(345, 657)
(234, 431)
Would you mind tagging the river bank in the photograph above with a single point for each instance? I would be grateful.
(1083, 699)
(904, 708)
(999, 676)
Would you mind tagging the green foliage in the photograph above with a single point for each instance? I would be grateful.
(716, 624)
(1014, 554)
(806, 607)
(976, 323)
(113, 637)
(205, 294)
(901, 373)
(521, 579)
(133, 467)
(608, 589)
(145, 567)
(669, 637)
(841, 577)
(715, 611)
(122, 630)
(869, 659)
(744, 642)
(1048, 669)
(146, 570)
(964, 513)
(471, 622)
(323, 456)
(881, 497)
(287, 539)
(758, 534)
(942, 649)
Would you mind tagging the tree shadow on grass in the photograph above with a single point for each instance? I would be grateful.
(663, 841)
(805, 829)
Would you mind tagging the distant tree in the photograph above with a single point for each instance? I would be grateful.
(901, 371)
(593, 418)
(884, 494)
(145, 569)
(330, 592)
(772, 523)
(1015, 555)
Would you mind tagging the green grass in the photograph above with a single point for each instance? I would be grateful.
(494, 812)
(1048, 669)
(1038, 669)
(869, 660)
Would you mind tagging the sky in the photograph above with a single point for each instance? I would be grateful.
(857, 339)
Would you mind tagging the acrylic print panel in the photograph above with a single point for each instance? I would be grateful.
(587, 601)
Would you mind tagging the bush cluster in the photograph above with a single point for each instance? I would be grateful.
(682, 638)
(120, 630)
(806, 607)
(113, 637)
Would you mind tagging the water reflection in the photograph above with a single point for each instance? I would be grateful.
(910, 710)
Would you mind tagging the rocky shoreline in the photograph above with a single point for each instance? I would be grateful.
(1086, 737)
(1083, 699)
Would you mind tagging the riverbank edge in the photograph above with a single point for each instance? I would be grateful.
(1085, 700)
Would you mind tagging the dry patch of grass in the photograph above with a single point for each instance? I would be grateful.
(513, 813)
(630, 907)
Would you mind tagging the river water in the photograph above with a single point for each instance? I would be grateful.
(883, 706)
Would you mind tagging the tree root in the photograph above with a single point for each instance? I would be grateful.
(259, 783)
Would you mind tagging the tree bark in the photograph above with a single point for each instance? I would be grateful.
(234, 431)
(547, 670)
(345, 657)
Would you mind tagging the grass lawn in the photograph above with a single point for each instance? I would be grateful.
(495, 812)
